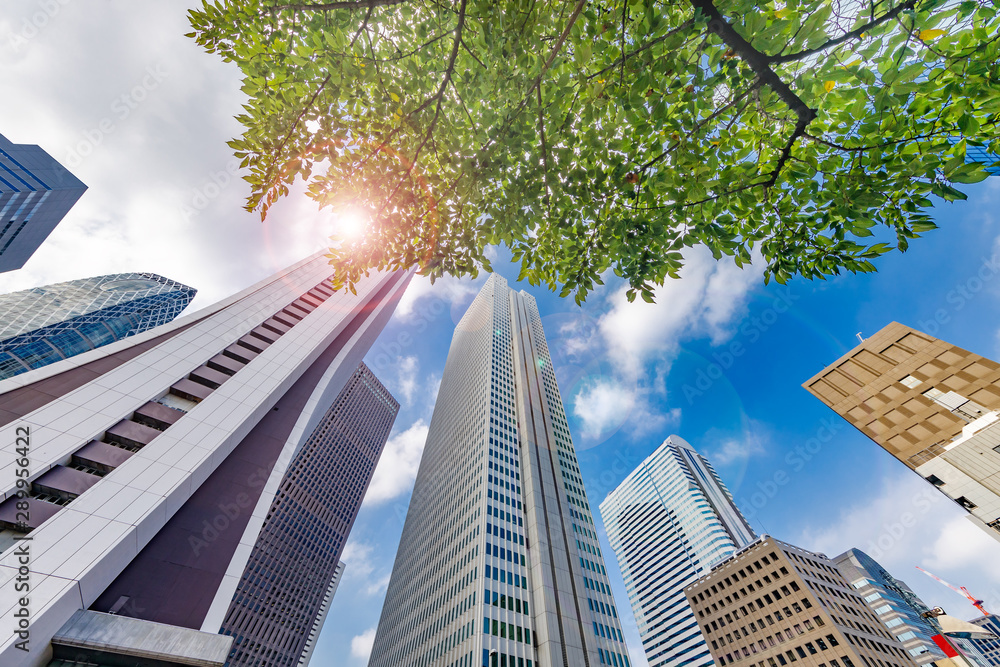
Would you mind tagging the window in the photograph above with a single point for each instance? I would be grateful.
(910, 382)
(966, 503)
(938, 482)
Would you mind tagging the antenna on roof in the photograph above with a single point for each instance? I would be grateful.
(860, 337)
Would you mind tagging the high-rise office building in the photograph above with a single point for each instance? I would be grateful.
(294, 560)
(668, 521)
(989, 649)
(773, 605)
(932, 405)
(893, 602)
(499, 563)
(149, 468)
(35, 193)
(324, 609)
(42, 325)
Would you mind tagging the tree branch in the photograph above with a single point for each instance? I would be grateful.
(756, 60)
(853, 34)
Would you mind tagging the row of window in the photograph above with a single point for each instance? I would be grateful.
(508, 602)
(608, 632)
(613, 659)
(752, 649)
(606, 609)
(506, 630)
(495, 659)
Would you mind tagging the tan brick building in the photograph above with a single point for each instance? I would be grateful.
(932, 405)
(775, 605)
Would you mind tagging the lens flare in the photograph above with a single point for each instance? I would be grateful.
(351, 224)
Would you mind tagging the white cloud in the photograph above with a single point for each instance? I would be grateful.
(457, 292)
(705, 300)
(407, 382)
(906, 522)
(605, 406)
(357, 558)
(397, 468)
(733, 450)
(361, 645)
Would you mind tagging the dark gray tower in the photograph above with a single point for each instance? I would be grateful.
(285, 583)
(35, 193)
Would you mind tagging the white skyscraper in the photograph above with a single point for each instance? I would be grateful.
(668, 522)
(499, 563)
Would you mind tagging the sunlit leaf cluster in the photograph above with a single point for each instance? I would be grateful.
(593, 136)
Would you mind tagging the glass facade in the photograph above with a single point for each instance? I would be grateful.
(893, 602)
(36, 192)
(989, 649)
(669, 521)
(42, 325)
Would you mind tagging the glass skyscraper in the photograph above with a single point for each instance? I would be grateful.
(42, 325)
(669, 521)
(895, 604)
(35, 193)
(499, 562)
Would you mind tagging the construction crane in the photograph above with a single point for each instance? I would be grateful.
(978, 604)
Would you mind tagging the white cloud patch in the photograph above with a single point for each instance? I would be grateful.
(905, 523)
(361, 645)
(603, 407)
(706, 299)
(606, 406)
(452, 291)
(397, 468)
(407, 380)
(733, 450)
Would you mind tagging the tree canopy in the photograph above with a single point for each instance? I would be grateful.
(590, 135)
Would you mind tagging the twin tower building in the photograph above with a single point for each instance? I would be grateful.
(182, 495)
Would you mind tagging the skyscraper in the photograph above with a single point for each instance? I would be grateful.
(668, 522)
(41, 325)
(499, 563)
(294, 560)
(895, 604)
(932, 405)
(324, 609)
(152, 465)
(772, 604)
(35, 193)
(989, 649)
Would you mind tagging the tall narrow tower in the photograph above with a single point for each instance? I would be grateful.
(668, 522)
(499, 563)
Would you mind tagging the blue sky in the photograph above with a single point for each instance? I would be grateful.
(163, 198)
